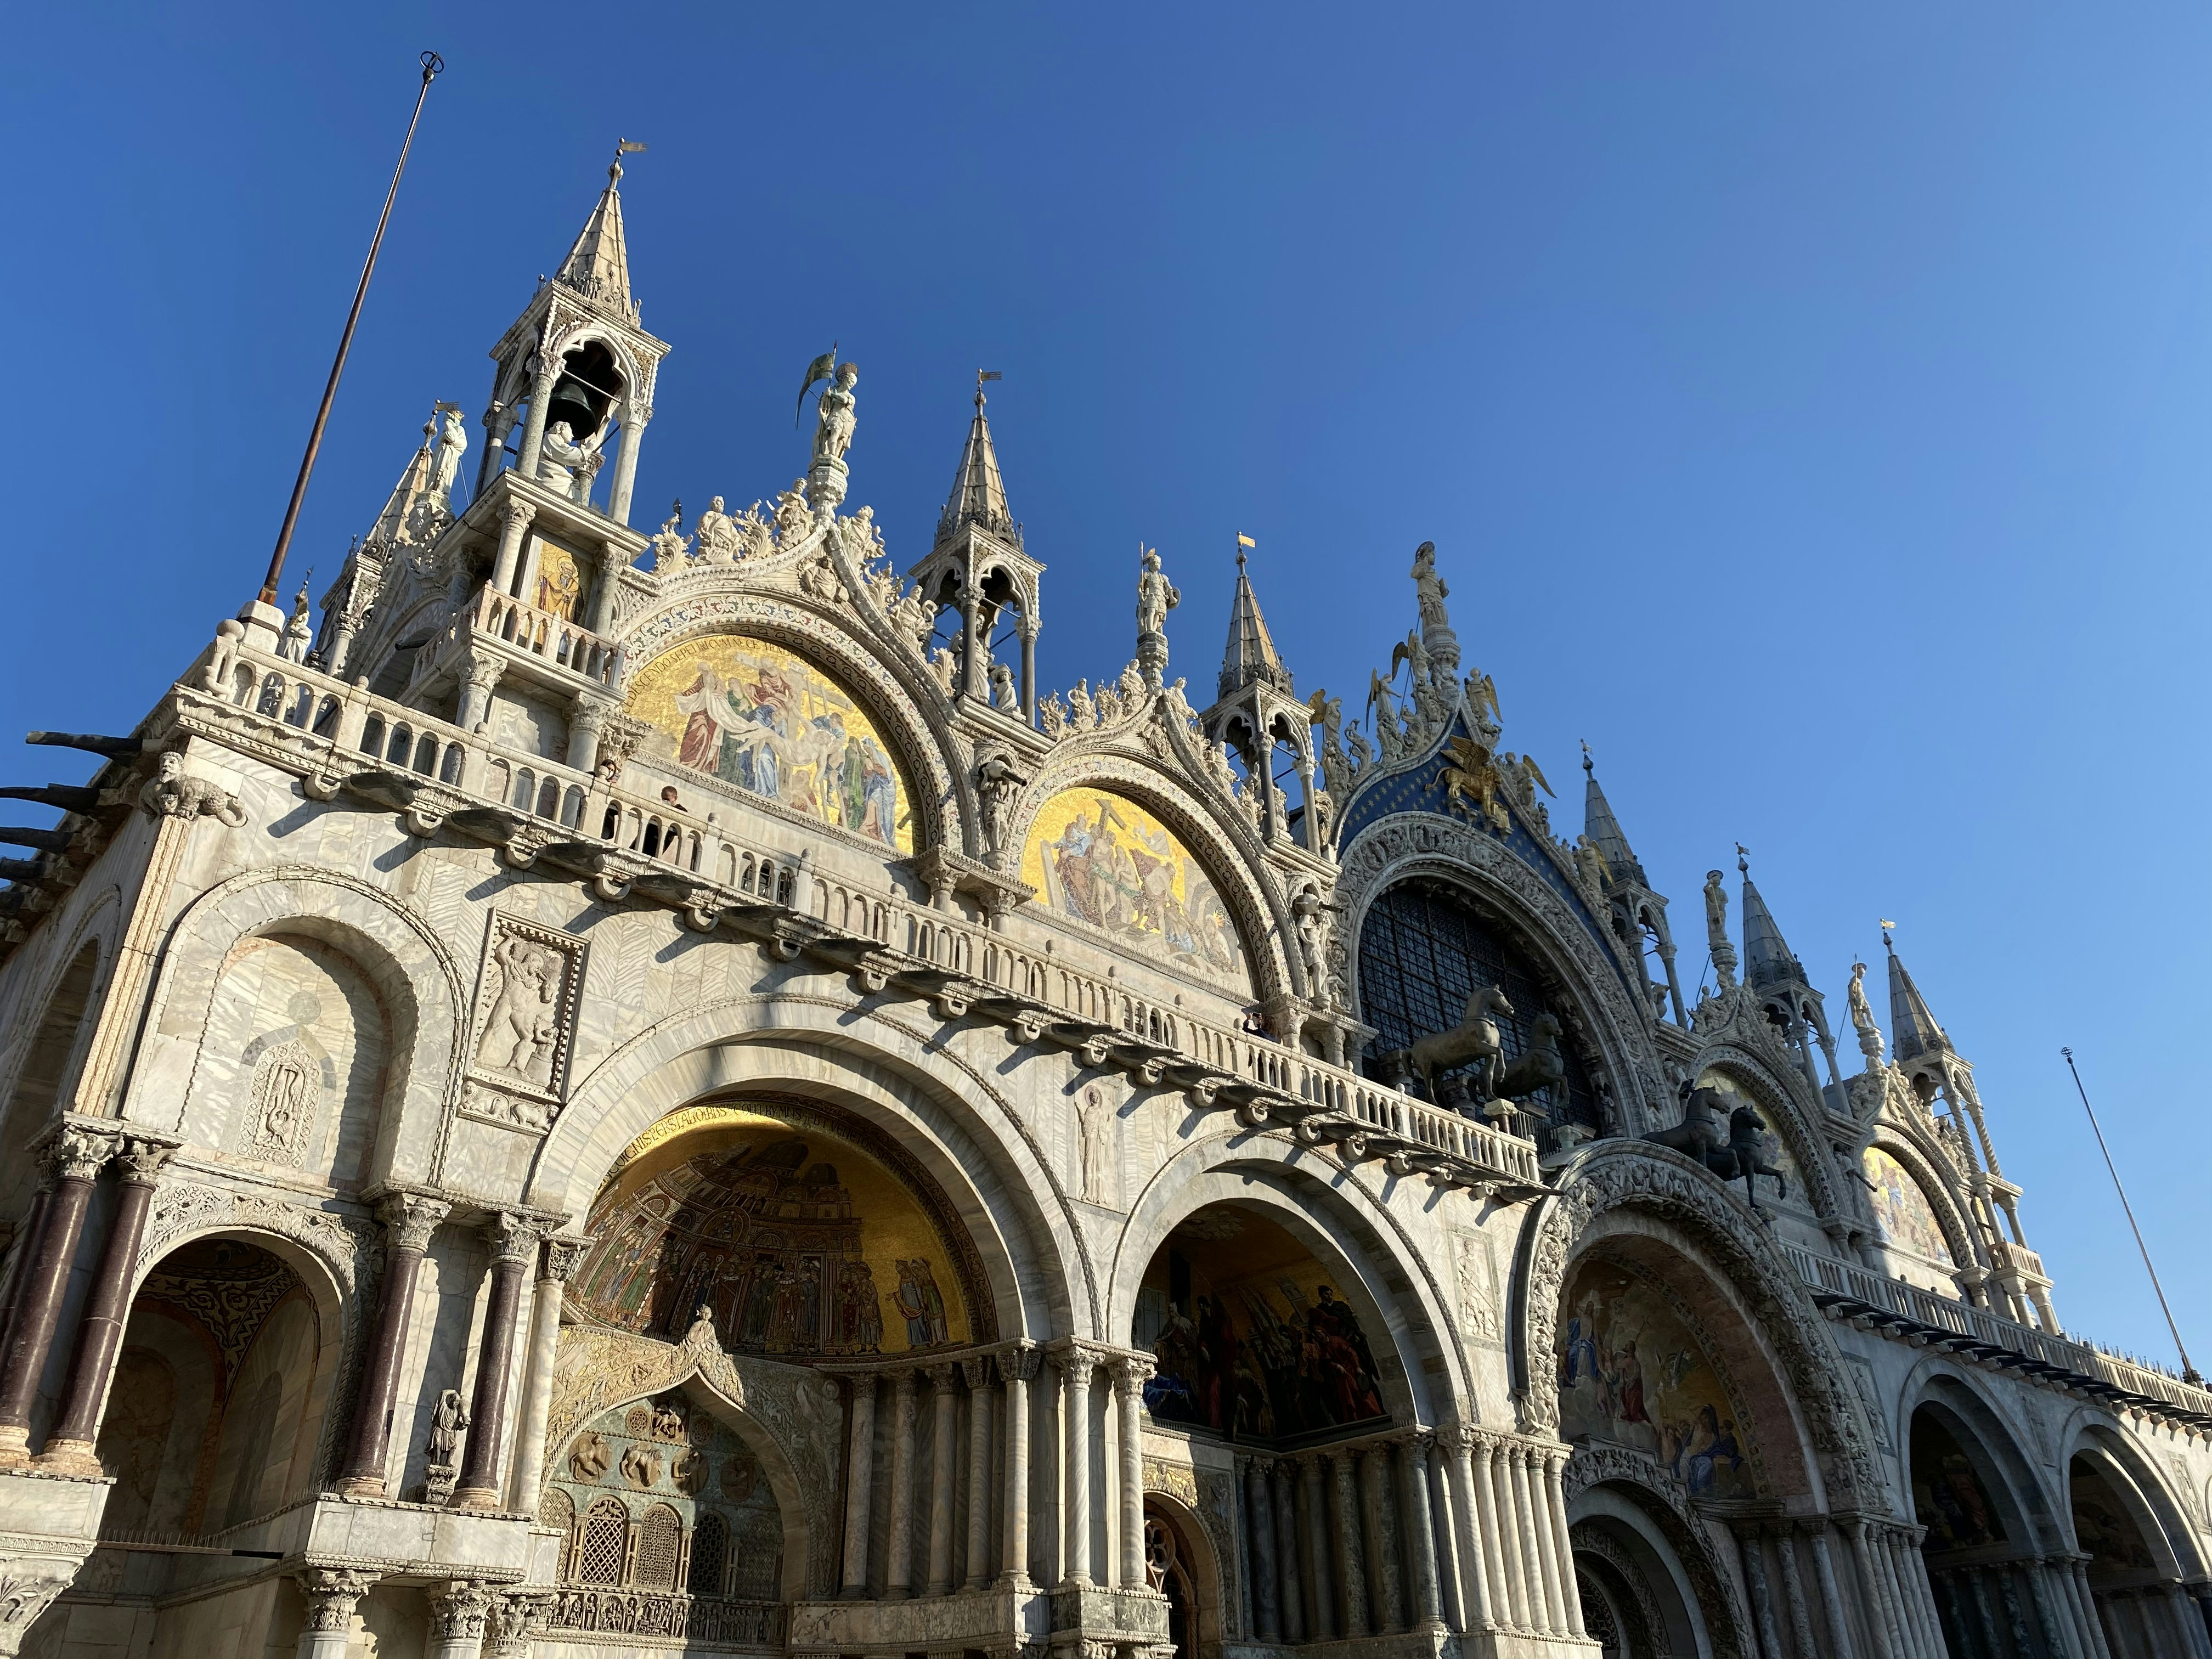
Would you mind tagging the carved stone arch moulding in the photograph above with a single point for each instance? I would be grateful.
(1665, 1503)
(1393, 849)
(2169, 1495)
(1621, 1174)
(1934, 1176)
(854, 662)
(573, 326)
(97, 926)
(1772, 1097)
(1260, 912)
(796, 1414)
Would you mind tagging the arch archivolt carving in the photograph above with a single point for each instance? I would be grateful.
(1785, 1117)
(1236, 871)
(943, 795)
(1642, 1487)
(1271, 1169)
(394, 948)
(1637, 1179)
(1393, 849)
(97, 925)
(988, 1159)
(2168, 1516)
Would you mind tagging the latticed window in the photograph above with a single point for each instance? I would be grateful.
(1423, 949)
(710, 1547)
(605, 1542)
(556, 1511)
(659, 1539)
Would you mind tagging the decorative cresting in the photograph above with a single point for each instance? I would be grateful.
(764, 717)
(918, 743)
(1665, 1501)
(1217, 842)
(1631, 1175)
(797, 1413)
(1412, 845)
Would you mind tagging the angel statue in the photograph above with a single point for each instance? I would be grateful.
(834, 416)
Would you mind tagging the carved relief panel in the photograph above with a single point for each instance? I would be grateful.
(524, 1024)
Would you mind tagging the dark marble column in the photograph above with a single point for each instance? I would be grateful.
(73, 1161)
(68, 1449)
(409, 1220)
(514, 1247)
(25, 1245)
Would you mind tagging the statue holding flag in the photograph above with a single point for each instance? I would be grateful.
(836, 416)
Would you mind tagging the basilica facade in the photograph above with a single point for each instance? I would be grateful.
(633, 1091)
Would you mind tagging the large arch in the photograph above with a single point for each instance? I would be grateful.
(1959, 1236)
(1785, 1118)
(410, 968)
(1642, 1549)
(950, 1116)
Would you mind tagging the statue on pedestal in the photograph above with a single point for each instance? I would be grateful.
(1156, 597)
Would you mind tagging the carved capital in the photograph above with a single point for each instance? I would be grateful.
(142, 1162)
(518, 516)
(79, 1151)
(1075, 1366)
(978, 1373)
(332, 1594)
(410, 1219)
(1020, 1364)
(1130, 1371)
(513, 1237)
(480, 670)
(941, 1375)
(563, 1255)
(514, 1614)
(460, 1611)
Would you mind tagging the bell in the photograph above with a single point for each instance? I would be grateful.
(572, 402)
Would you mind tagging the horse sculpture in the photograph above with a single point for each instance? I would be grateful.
(1541, 1064)
(1475, 1038)
(1726, 1142)
(1745, 1154)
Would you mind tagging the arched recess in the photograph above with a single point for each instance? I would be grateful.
(942, 797)
(1893, 1213)
(410, 968)
(1785, 1120)
(1256, 910)
(949, 1117)
(52, 1054)
(1645, 1564)
(1407, 846)
(2148, 1502)
(1654, 1208)
(1419, 1352)
(1183, 1561)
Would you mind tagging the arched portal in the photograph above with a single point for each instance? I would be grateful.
(2132, 1571)
(1179, 1564)
(1647, 1583)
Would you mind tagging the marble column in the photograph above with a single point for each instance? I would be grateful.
(23, 1247)
(1313, 1494)
(1260, 1516)
(1017, 1369)
(512, 528)
(331, 1595)
(480, 672)
(1282, 1490)
(557, 1258)
(529, 453)
(635, 418)
(1785, 1538)
(2188, 1623)
(514, 1247)
(1881, 1617)
(588, 717)
(73, 1162)
(1548, 1554)
(1381, 1556)
(106, 1309)
(1914, 1592)
(860, 1487)
(1543, 1592)
(1555, 1507)
(979, 1473)
(408, 1221)
(1831, 1595)
(1444, 1517)
(2092, 1619)
(899, 1576)
(1129, 1374)
(943, 1480)
(1075, 1446)
(1420, 1530)
(1753, 1550)
(1511, 1579)
(460, 1614)
(1477, 1532)
(1350, 1560)
(1978, 1598)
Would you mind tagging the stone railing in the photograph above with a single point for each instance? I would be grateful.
(438, 774)
(526, 628)
(615, 1612)
(1846, 1291)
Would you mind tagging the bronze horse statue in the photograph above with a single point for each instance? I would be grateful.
(1476, 1038)
(1746, 1156)
(1726, 1142)
(1541, 1064)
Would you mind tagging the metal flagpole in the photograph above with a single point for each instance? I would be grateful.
(431, 63)
(2188, 1371)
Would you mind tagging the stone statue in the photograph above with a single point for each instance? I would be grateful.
(1179, 703)
(670, 545)
(1004, 696)
(448, 1423)
(1429, 592)
(1156, 597)
(793, 519)
(565, 463)
(1589, 863)
(1716, 912)
(1082, 714)
(1131, 685)
(1862, 1016)
(171, 795)
(998, 788)
(834, 416)
(520, 1032)
(446, 458)
(300, 632)
(717, 533)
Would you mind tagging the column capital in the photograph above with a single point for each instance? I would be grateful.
(1020, 1364)
(520, 513)
(332, 1593)
(902, 1381)
(1131, 1371)
(1456, 1439)
(1075, 1366)
(1415, 1442)
(564, 1253)
(460, 1611)
(141, 1161)
(514, 1614)
(78, 1150)
(410, 1219)
(513, 1237)
(977, 1371)
(940, 1375)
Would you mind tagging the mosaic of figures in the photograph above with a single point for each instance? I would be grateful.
(1252, 1336)
(756, 715)
(1948, 1497)
(561, 583)
(794, 1254)
(2101, 1526)
(1908, 1221)
(1106, 861)
(1631, 1371)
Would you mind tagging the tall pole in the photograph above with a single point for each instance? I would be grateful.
(431, 63)
(2188, 1371)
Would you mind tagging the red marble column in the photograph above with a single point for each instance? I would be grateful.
(409, 1220)
(73, 1160)
(514, 1247)
(99, 1338)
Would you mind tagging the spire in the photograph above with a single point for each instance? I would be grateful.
(598, 266)
(1766, 957)
(979, 494)
(1604, 829)
(1250, 658)
(1913, 1029)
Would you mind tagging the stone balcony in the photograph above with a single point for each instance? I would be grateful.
(558, 655)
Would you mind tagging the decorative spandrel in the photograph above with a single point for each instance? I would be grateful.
(800, 1244)
(1105, 861)
(1631, 1371)
(756, 715)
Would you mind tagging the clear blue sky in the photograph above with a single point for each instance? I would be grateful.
(1809, 406)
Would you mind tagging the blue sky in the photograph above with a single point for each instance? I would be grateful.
(1809, 409)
